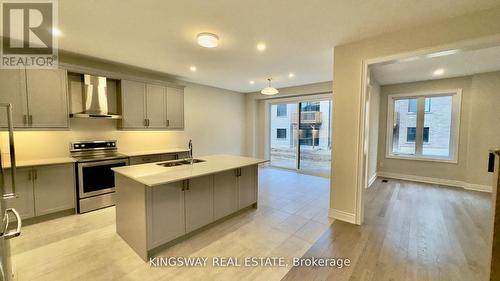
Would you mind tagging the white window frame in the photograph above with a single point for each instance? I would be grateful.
(454, 130)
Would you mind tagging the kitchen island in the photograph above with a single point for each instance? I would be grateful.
(159, 203)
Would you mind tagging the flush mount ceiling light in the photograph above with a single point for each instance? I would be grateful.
(251, 82)
(192, 68)
(438, 72)
(207, 40)
(269, 91)
(291, 75)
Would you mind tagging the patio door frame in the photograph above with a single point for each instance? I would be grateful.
(296, 100)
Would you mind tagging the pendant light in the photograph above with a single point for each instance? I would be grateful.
(269, 91)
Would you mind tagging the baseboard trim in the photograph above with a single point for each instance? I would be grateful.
(342, 216)
(372, 179)
(453, 183)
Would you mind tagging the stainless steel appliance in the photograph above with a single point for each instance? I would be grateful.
(95, 98)
(95, 179)
(7, 165)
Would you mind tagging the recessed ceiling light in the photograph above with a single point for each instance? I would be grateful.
(291, 75)
(56, 32)
(251, 82)
(438, 72)
(261, 47)
(192, 68)
(207, 40)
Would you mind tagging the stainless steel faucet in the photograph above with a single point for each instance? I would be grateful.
(190, 146)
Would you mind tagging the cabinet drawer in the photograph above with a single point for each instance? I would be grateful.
(145, 159)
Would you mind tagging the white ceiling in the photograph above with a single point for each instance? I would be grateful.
(300, 35)
(462, 63)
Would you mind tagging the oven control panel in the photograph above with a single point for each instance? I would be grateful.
(93, 145)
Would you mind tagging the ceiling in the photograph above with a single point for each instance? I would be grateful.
(300, 35)
(461, 63)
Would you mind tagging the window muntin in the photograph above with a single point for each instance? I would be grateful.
(412, 105)
(439, 125)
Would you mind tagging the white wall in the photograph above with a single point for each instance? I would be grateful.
(374, 96)
(214, 119)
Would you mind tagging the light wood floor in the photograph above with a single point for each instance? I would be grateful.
(292, 215)
(412, 232)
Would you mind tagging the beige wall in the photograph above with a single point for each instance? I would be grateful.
(214, 119)
(479, 132)
(256, 114)
(374, 96)
(347, 79)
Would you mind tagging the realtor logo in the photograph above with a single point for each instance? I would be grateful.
(28, 38)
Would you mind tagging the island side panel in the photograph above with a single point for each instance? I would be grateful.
(131, 214)
(248, 185)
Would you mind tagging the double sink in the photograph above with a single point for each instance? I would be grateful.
(181, 162)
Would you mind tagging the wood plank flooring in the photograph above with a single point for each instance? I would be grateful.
(412, 232)
(292, 215)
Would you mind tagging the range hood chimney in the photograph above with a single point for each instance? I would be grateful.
(95, 99)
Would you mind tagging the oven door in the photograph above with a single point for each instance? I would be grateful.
(96, 178)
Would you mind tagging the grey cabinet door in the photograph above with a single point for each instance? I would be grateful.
(155, 106)
(13, 91)
(225, 194)
(166, 216)
(175, 108)
(47, 98)
(247, 184)
(133, 99)
(199, 203)
(54, 188)
(24, 202)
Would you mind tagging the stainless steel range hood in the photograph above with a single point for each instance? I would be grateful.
(95, 99)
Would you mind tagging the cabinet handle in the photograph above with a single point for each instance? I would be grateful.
(30, 120)
(36, 174)
(168, 123)
(25, 119)
(145, 122)
(30, 175)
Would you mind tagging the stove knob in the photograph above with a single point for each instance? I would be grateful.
(82, 145)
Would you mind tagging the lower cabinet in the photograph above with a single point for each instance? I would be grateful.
(225, 193)
(181, 207)
(199, 206)
(167, 217)
(247, 186)
(54, 189)
(43, 190)
(24, 203)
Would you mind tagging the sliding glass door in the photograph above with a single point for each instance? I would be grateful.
(283, 135)
(300, 135)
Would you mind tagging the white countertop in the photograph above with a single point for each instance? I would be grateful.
(42, 162)
(151, 174)
(152, 152)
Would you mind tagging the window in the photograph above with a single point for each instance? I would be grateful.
(412, 105)
(281, 110)
(411, 134)
(281, 133)
(438, 138)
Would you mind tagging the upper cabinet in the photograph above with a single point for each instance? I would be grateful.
(151, 106)
(175, 108)
(39, 97)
